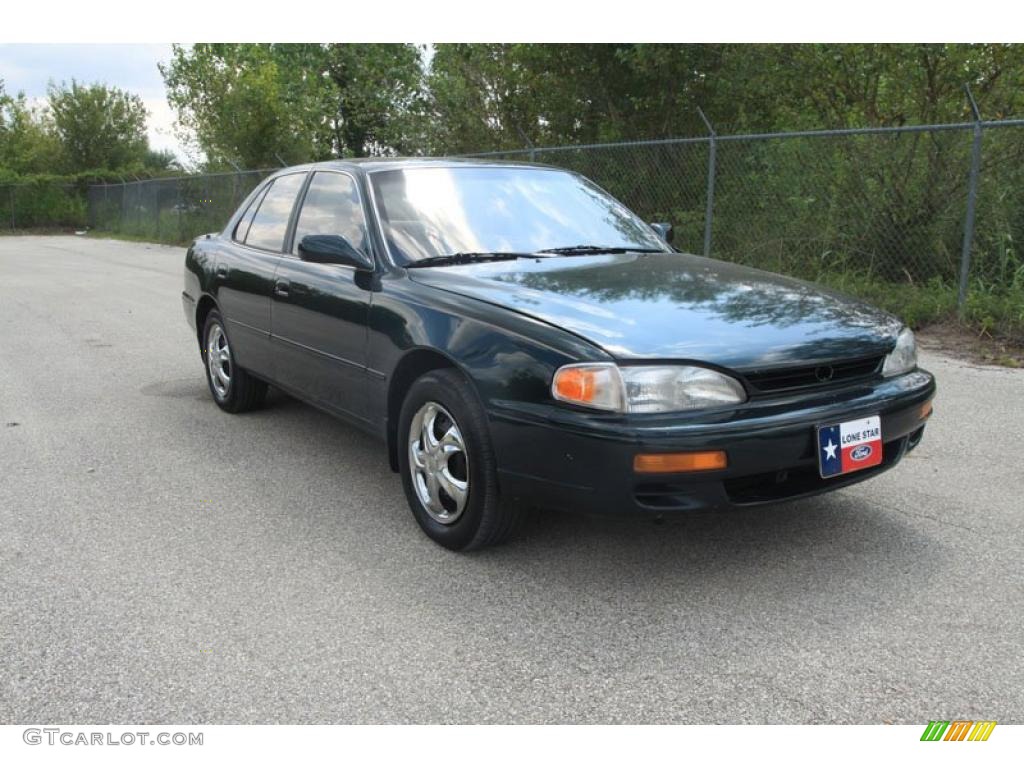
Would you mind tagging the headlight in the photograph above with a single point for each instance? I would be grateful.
(904, 357)
(645, 388)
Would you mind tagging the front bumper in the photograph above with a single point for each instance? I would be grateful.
(557, 457)
(188, 305)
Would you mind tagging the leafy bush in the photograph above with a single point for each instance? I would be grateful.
(42, 203)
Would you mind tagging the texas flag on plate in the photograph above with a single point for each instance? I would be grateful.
(850, 446)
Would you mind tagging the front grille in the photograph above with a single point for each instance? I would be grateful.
(808, 376)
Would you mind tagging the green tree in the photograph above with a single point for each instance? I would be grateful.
(378, 88)
(481, 98)
(496, 96)
(231, 105)
(156, 160)
(28, 143)
(850, 85)
(259, 105)
(504, 96)
(98, 126)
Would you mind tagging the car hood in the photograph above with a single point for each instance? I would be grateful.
(673, 306)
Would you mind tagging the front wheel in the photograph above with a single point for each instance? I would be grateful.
(448, 468)
(234, 389)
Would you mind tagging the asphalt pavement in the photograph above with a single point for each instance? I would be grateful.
(162, 561)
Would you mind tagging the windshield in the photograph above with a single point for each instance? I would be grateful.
(429, 212)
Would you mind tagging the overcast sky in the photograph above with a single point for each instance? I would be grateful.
(29, 67)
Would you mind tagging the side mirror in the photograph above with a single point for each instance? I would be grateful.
(664, 230)
(332, 249)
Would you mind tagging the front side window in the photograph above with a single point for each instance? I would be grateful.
(271, 220)
(438, 211)
(332, 207)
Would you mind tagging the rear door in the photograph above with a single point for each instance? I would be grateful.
(245, 272)
(320, 310)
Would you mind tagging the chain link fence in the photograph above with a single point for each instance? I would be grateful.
(42, 205)
(170, 210)
(932, 208)
(934, 204)
(165, 210)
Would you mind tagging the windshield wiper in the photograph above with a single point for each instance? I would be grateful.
(584, 250)
(467, 258)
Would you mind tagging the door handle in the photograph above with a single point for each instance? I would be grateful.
(281, 287)
(222, 271)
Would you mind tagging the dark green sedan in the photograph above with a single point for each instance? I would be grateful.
(518, 338)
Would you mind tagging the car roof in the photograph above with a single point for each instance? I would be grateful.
(372, 164)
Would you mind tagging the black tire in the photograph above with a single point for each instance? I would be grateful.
(484, 520)
(243, 391)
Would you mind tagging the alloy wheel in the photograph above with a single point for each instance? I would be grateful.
(218, 360)
(439, 463)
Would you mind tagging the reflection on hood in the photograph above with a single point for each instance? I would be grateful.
(675, 306)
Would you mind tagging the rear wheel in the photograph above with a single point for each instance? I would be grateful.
(448, 468)
(234, 389)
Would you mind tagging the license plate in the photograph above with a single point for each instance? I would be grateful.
(850, 446)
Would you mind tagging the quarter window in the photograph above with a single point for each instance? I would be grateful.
(332, 207)
(271, 221)
(242, 227)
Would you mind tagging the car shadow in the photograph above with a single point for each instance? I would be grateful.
(854, 535)
(837, 521)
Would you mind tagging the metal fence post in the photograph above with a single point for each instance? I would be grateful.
(529, 144)
(124, 204)
(156, 206)
(972, 196)
(710, 209)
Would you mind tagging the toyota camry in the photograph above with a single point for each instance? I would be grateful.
(515, 337)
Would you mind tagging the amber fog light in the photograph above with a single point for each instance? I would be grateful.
(701, 461)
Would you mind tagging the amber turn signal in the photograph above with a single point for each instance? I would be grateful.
(649, 463)
(594, 385)
(926, 411)
(576, 385)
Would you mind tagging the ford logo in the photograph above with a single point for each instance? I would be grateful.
(860, 453)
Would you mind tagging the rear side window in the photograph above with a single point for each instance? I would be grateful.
(271, 220)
